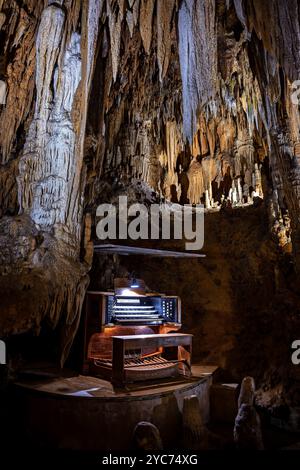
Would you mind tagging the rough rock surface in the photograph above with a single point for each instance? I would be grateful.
(241, 302)
(194, 100)
(247, 429)
(247, 393)
(146, 437)
(195, 433)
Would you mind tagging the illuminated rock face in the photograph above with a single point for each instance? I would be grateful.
(195, 100)
(41, 224)
(47, 166)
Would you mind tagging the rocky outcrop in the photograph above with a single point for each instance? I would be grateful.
(195, 100)
(195, 433)
(247, 428)
(41, 263)
(146, 437)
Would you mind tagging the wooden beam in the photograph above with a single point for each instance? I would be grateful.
(134, 250)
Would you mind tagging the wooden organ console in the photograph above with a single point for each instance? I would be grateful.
(130, 335)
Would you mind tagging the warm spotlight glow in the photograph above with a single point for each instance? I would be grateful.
(129, 293)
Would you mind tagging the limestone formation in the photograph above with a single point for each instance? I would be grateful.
(145, 22)
(247, 426)
(247, 429)
(115, 10)
(192, 101)
(195, 434)
(165, 11)
(197, 43)
(246, 396)
(47, 176)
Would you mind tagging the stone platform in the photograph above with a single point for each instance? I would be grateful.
(89, 414)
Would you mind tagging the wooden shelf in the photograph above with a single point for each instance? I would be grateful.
(134, 250)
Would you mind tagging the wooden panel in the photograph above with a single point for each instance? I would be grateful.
(162, 340)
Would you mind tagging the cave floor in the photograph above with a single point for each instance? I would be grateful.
(274, 438)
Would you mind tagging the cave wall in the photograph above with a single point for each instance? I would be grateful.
(49, 50)
(188, 101)
(240, 302)
(199, 133)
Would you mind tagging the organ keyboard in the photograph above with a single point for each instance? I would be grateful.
(127, 314)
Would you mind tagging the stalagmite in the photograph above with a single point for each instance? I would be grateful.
(239, 191)
(257, 179)
(247, 427)
(195, 434)
(234, 199)
(207, 199)
(196, 183)
(247, 392)
(146, 437)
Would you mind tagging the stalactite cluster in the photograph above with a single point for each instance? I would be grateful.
(50, 120)
(208, 139)
(189, 101)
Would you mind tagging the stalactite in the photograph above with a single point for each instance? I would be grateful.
(145, 22)
(164, 27)
(197, 45)
(132, 15)
(20, 87)
(115, 11)
(218, 77)
(2, 19)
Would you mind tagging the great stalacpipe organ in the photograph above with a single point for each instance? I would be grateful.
(130, 335)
